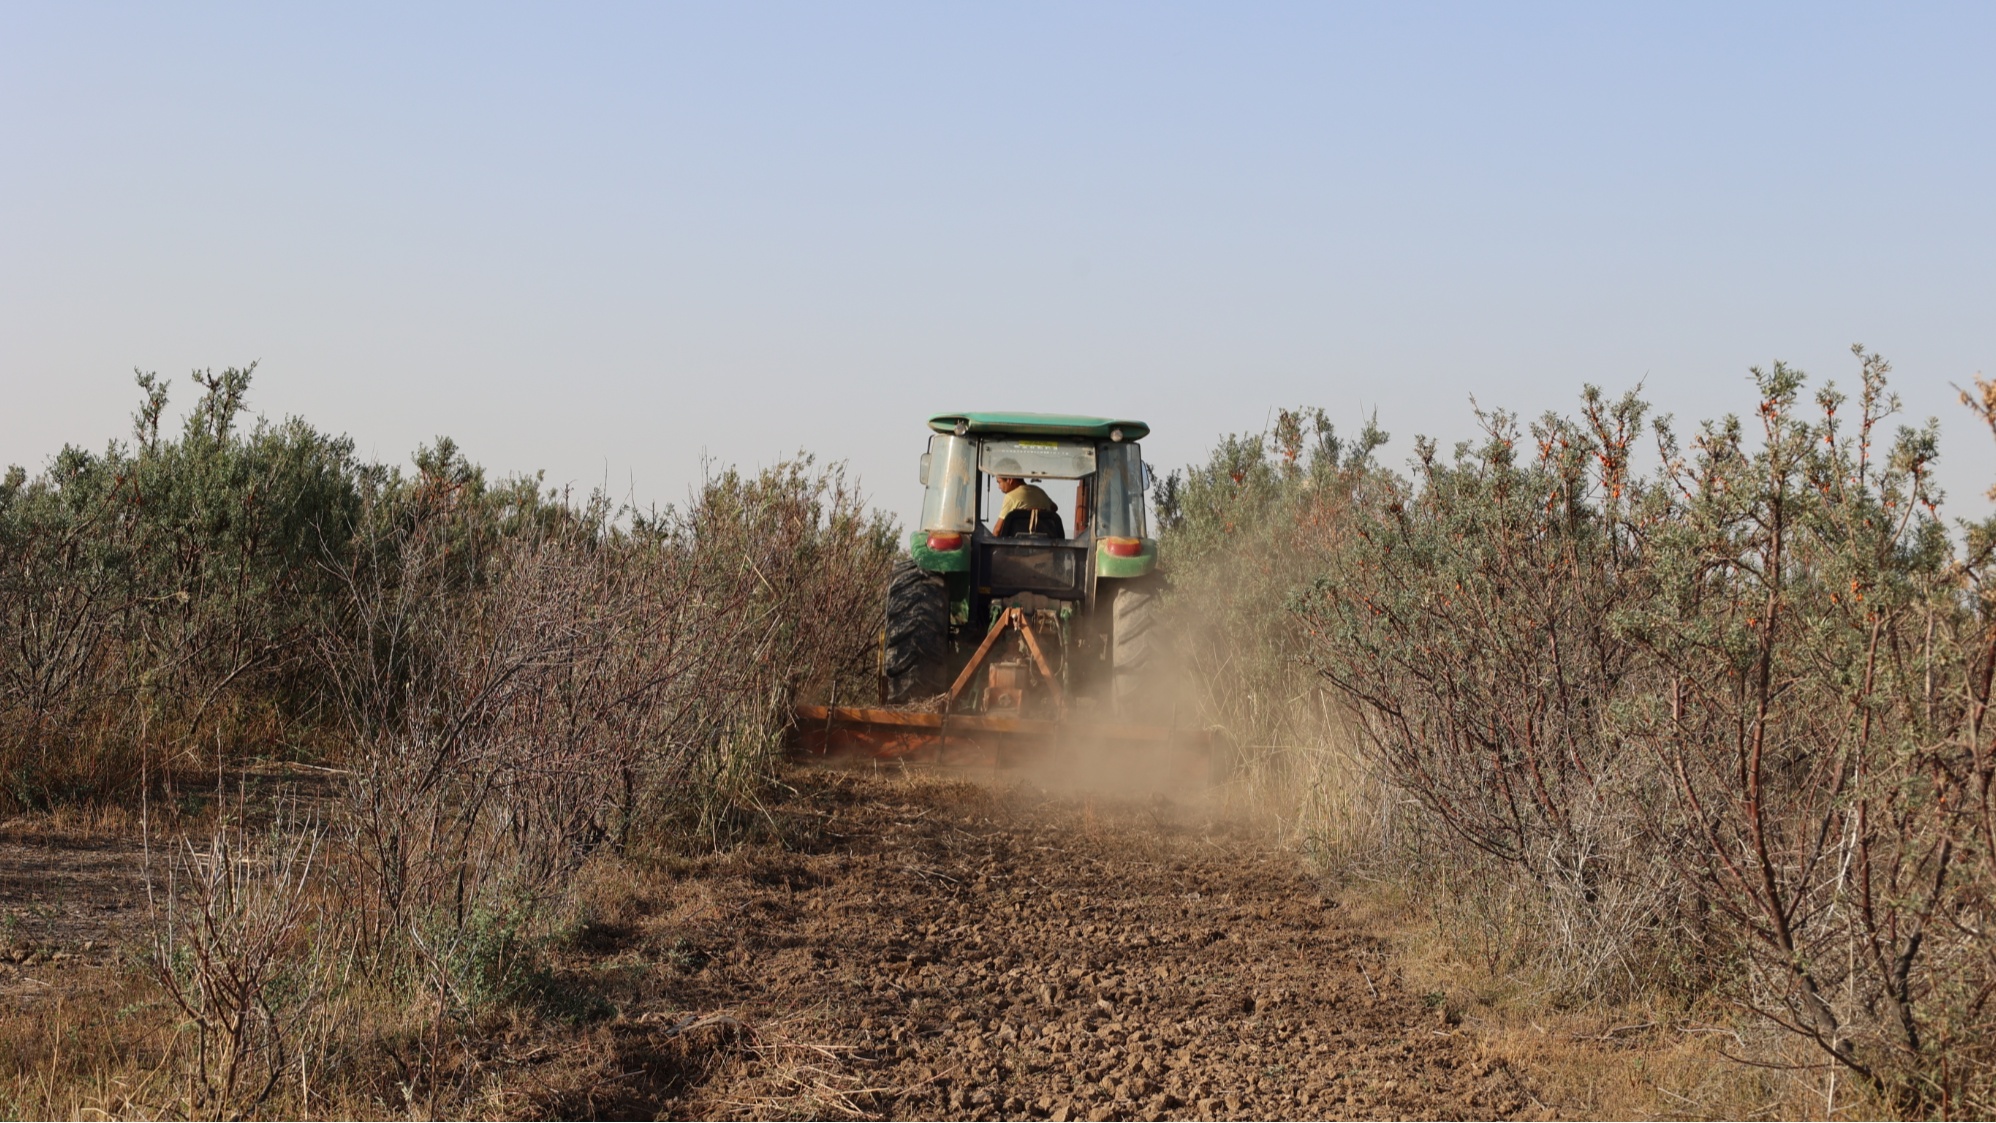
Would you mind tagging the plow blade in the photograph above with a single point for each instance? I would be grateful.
(916, 735)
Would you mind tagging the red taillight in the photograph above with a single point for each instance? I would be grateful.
(1122, 547)
(945, 542)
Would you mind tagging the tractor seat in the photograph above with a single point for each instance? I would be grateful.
(1032, 524)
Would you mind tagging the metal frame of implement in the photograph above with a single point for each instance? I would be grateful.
(904, 734)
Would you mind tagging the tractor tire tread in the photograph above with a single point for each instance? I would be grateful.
(1134, 640)
(916, 639)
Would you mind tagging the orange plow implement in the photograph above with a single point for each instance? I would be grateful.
(997, 736)
(942, 738)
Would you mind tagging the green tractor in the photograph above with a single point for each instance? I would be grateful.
(1025, 604)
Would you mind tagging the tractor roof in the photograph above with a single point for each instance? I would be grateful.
(1039, 425)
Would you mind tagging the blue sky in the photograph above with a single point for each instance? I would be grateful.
(611, 240)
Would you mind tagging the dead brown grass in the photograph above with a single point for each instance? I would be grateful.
(96, 1047)
(1649, 1055)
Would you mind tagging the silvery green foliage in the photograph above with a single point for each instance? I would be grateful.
(142, 588)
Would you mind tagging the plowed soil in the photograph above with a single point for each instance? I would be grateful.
(902, 946)
(937, 949)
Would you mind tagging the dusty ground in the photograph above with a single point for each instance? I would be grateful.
(901, 947)
(949, 949)
(68, 904)
(73, 897)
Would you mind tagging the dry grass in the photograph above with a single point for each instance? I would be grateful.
(1648, 1056)
(99, 1049)
(72, 823)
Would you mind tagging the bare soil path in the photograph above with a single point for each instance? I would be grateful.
(73, 895)
(934, 949)
(66, 905)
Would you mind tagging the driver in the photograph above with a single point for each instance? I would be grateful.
(1022, 496)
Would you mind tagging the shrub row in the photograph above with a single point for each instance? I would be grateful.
(1721, 718)
(183, 603)
(500, 682)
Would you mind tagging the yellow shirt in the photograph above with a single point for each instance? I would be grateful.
(1026, 497)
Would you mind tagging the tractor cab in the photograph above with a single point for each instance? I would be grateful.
(1092, 468)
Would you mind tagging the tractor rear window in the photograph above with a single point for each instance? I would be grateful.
(1060, 460)
(1037, 568)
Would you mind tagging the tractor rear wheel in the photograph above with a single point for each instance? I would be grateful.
(1133, 648)
(916, 655)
